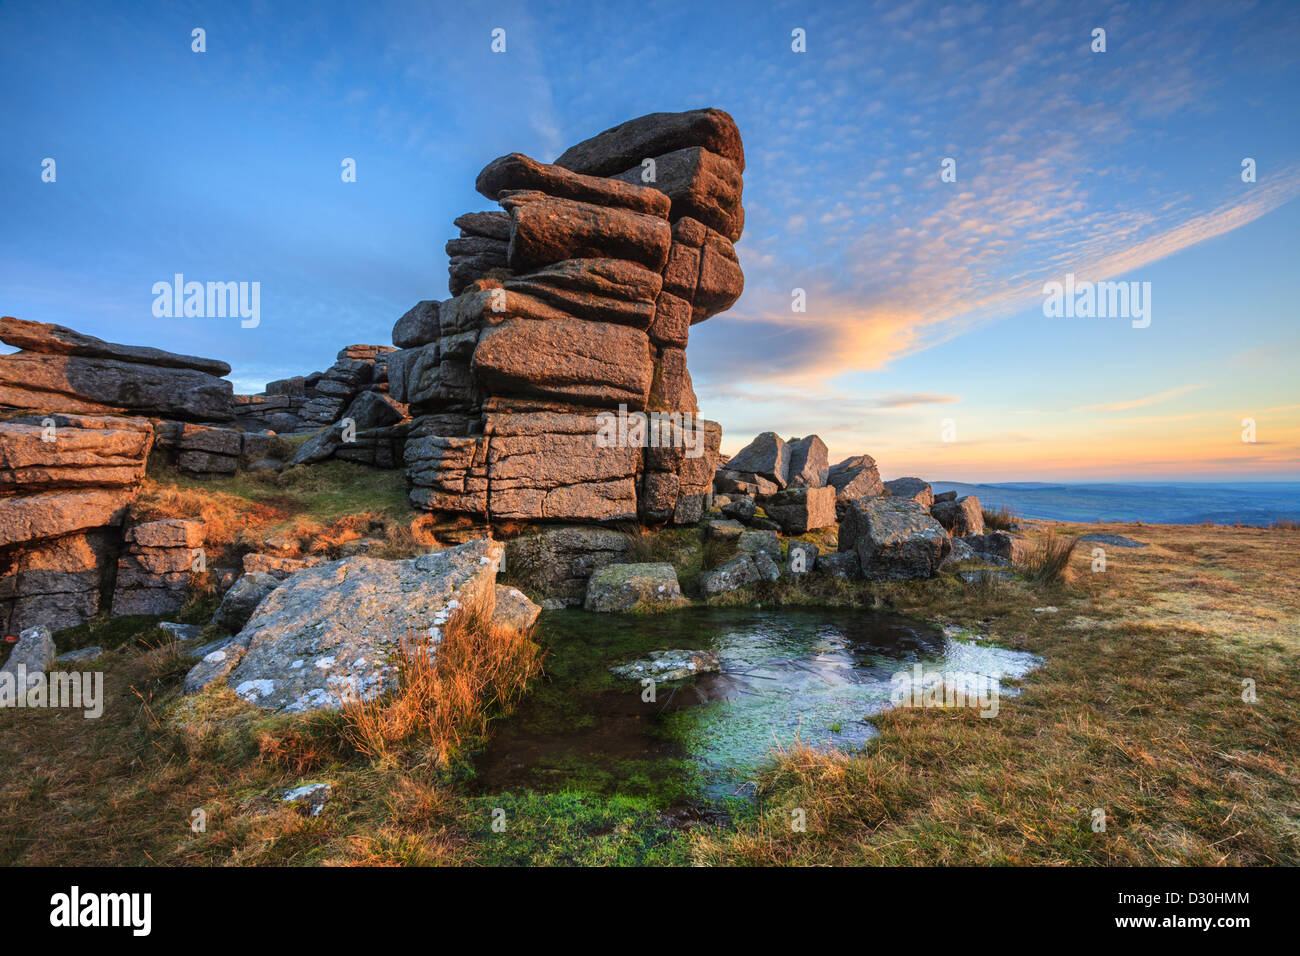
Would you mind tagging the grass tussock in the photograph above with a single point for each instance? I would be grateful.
(1049, 563)
(1001, 519)
(448, 698)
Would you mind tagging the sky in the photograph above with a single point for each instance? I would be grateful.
(924, 341)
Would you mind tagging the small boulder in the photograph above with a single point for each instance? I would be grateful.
(742, 509)
(730, 575)
(911, 488)
(514, 610)
(998, 547)
(801, 557)
(311, 797)
(620, 588)
(854, 478)
(670, 665)
(725, 529)
(751, 541)
(30, 658)
(843, 564)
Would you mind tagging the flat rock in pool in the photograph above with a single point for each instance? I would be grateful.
(1114, 540)
(670, 665)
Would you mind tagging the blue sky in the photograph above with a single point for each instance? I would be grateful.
(924, 297)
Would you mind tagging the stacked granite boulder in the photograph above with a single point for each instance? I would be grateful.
(572, 310)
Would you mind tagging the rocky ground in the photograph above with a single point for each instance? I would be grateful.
(1137, 708)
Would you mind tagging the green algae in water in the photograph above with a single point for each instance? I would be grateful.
(814, 675)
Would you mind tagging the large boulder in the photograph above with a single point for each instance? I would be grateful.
(960, 516)
(766, 456)
(895, 538)
(808, 462)
(854, 478)
(620, 588)
(418, 326)
(517, 171)
(800, 510)
(331, 633)
(626, 145)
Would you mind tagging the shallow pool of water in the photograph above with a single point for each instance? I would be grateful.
(813, 675)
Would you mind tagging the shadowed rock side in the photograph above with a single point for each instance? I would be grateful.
(571, 303)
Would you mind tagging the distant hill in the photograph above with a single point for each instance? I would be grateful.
(1254, 503)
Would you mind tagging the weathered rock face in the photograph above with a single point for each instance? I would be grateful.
(572, 307)
(65, 484)
(330, 633)
(153, 573)
(895, 538)
(60, 370)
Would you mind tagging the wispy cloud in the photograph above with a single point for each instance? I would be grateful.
(1155, 399)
